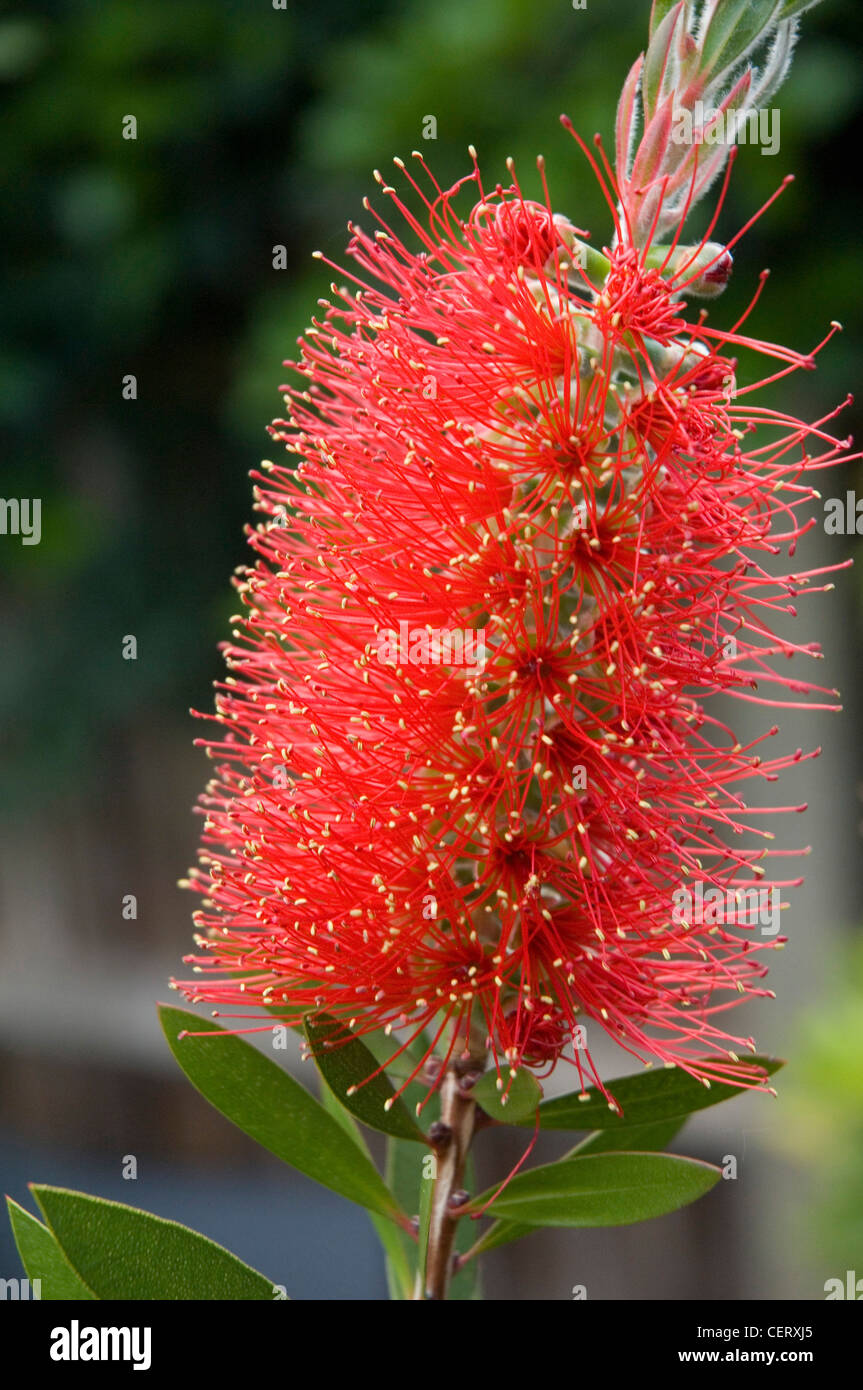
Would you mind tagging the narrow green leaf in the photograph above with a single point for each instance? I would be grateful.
(501, 1233)
(128, 1254)
(381, 1046)
(659, 11)
(517, 1105)
(345, 1068)
(465, 1286)
(792, 8)
(629, 1139)
(660, 56)
(603, 1190)
(273, 1109)
(734, 28)
(405, 1168)
(43, 1259)
(392, 1238)
(663, 1093)
(410, 1174)
(417, 1091)
(647, 1138)
(426, 1195)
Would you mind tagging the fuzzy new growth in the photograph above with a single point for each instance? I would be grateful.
(494, 427)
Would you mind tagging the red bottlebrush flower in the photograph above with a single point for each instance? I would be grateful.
(468, 781)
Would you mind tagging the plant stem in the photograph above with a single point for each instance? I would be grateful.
(458, 1111)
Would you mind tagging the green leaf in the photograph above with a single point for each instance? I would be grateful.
(404, 1171)
(733, 30)
(791, 8)
(273, 1109)
(345, 1068)
(465, 1286)
(43, 1259)
(426, 1195)
(659, 60)
(643, 1138)
(407, 1167)
(664, 1093)
(602, 1190)
(517, 1106)
(501, 1233)
(651, 1138)
(380, 1045)
(659, 11)
(395, 1242)
(124, 1253)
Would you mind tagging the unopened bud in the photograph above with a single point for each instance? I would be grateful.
(704, 274)
(703, 271)
(440, 1135)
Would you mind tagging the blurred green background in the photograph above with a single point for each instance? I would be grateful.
(259, 126)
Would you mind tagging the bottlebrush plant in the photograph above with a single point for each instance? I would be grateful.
(470, 779)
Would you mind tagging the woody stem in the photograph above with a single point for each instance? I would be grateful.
(456, 1129)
